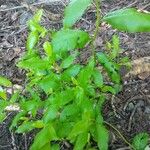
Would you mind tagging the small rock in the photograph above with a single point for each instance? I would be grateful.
(131, 106)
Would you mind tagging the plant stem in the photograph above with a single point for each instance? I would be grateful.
(119, 133)
(97, 24)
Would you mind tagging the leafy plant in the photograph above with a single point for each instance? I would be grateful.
(68, 95)
(140, 141)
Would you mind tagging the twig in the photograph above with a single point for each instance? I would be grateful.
(26, 5)
(131, 116)
(97, 24)
(119, 134)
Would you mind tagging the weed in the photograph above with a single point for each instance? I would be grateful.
(68, 95)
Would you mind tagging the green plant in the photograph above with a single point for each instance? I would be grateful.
(68, 95)
(140, 141)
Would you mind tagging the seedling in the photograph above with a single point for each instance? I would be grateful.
(69, 96)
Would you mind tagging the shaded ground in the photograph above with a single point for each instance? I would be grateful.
(129, 111)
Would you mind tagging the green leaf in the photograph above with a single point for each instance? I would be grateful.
(79, 94)
(68, 61)
(36, 27)
(32, 41)
(55, 147)
(66, 126)
(49, 83)
(3, 93)
(86, 73)
(38, 124)
(14, 97)
(116, 49)
(129, 19)
(2, 117)
(31, 106)
(102, 137)
(16, 119)
(66, 40)
(74, 11)
(71, 110)
(34, 64)
(48, 49)
(98, 78)
(25, 127)
(81, 141)
(79, 128)
(5, 82)
(38, 15)
(140, 141)
(109, 67)
(107, 88)
(70, 72)
(43, 138)
(50, 114)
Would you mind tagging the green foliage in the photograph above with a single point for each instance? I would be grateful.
(65, 40)
(5, 82)
(140, 141)
(129, 19)
(68, 95)
(74, 11)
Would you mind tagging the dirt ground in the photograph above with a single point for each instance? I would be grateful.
(129, 111)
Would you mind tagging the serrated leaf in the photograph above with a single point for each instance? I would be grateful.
(50, 114)
(79, 128)
(71, 72)
(38, 15)
(14, 97)
(102, 137)
(31, 106)
(86, 73)
(129, 19)
(34, 64)
(116, 49)
(79, 94)
(3, 93)
(38, 124)
(32, 41)
(66, 126)
(115, 77)
(110, 67)
(16, 119)
(98, 78)
(2, 117)
(69, 111)
(25, 127)
(68, 61)
(49, 83)
(140, 141)
(110, 89)
(36, 27)
(55, 147)
(74, 11)
(65, 40)
(81, 141)
(5, 82)
(48, 49)
(43, 138)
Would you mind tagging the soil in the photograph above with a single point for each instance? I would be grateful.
(129, 111)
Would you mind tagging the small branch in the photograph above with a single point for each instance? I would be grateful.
(27, 6)
(119, 133)
(97, 24)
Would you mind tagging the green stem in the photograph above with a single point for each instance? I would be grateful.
(119, 133)
(97, 24)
